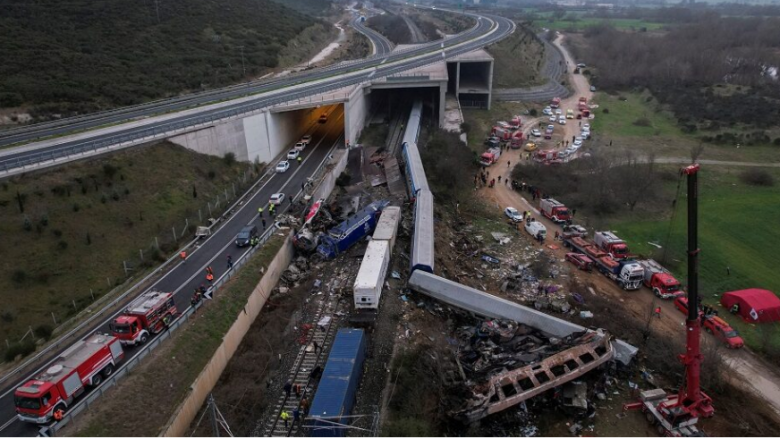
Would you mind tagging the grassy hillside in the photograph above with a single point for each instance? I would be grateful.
(80, 222)
(83, 55)
(518, 60)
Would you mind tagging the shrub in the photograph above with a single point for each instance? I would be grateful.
(19, 276)
(533, 112)
(757, 177)
(76, 207)
(103, 199)
(606, 111)
(27, 226)
(109, 170)
(43, 331)
(642, 122)
(24, 349)
(229, 159)
(212, 174)
(465, 127)
(62, 245)
(7, 316)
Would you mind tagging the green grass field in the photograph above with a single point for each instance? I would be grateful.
(632, 116)
(627, 24)
(737, 229)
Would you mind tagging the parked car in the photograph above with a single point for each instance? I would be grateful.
(282, 167)
(530, 146)
(569, 114)
(276, 198)
(577, 141)
(714, 325)
(245, 236)
(562, 120)
(553, 118)
(581, 65)
(551, 128)
(536, 133)
(580, 260)
(586, 126)
(592, 88)
(293, 154)
(323, 118)
(547, 111)
(306, 139)
(513, 214)
(300, 146)
(558, 112)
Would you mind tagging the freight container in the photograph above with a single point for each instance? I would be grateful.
(371, 275)
(387, 227)
(336, 392)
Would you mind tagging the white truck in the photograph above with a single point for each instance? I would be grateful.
(370, 279)
(534, 228)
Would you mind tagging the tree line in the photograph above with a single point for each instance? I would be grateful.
(77, 56)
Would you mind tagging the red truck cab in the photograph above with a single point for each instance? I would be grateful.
(610, 243)
(556, 102)
(86, 363)
(714, 325)
(581, 261)
(554, 210)
(665, 286)
(148, 314)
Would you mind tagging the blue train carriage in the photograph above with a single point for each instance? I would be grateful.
(422, 239)
(415, 173)
(329, 415)
(346, 234)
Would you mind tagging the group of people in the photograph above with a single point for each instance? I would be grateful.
(303, 407)
(484, 174)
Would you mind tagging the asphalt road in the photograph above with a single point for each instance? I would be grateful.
(185, 277)
(382, 44)
(554, 69)
(335, 80)
(91, 121)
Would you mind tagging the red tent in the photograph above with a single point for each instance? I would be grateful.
(755, 305)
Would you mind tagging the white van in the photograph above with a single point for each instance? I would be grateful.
(534, 228)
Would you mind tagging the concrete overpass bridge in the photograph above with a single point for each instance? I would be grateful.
(257, 121)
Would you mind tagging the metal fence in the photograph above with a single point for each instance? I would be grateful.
(184, 124)
(135, 360)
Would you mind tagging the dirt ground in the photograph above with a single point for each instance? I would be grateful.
(755, 374)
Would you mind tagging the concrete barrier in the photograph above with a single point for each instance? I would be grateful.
(180, 421)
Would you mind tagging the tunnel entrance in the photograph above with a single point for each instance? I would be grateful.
(389, 111)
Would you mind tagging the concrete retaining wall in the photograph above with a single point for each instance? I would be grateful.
(355, 113)
(205, 382)
(339, 164)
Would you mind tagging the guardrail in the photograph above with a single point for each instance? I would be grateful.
(106, 308)
(135, 360)
(168, 129)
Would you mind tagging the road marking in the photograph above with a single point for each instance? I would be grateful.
(328, 131)
(10, 421)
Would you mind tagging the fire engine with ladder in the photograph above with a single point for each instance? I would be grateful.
(677, 414)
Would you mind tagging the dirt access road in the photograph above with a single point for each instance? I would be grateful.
(759, 376)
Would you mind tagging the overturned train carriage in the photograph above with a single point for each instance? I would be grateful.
(508, 388)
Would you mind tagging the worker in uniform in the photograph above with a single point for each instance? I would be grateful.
(260, 211)
(734, 308)
(657, 311)
(300, 159)
(210, 278)
(183, 256)
(285, 417)
(58, 415)
(296, 415)
(195, 297)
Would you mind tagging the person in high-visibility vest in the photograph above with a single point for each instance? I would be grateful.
(260, 210)
(183, 256)
(300, 159)
(210, 277)
(285, 417)
(58, 414)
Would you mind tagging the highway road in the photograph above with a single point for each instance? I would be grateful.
(120, 115)
(185, 277)
(381, 43)
(488, 30)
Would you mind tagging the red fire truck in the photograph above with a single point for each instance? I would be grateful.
(149, 314)
(85, 364)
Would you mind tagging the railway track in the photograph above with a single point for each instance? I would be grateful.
(305, 361)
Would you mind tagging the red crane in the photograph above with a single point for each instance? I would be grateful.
(677, 414)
